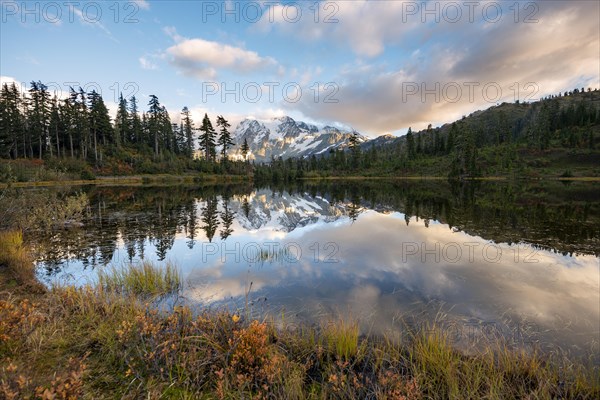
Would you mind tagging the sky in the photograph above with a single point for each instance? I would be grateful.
(376, 66)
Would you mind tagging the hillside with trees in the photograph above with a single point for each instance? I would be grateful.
(76, 135)
(557, 136)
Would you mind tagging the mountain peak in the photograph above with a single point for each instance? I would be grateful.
(285, 137)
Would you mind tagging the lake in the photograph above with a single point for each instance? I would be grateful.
(484, 260)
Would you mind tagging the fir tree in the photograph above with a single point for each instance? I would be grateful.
(188, 131)
(154, 121)
(224, 140)
(122, 125)
(100, 125)
(354, 144)
(410, 144)
(207, 139)
(245, 149)
(136, 134)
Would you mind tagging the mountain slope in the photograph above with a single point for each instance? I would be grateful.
(284, 137)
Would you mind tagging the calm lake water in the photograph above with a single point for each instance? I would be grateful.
(520, 261)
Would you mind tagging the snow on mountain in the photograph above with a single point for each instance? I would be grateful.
(286, 212)
(284, 137)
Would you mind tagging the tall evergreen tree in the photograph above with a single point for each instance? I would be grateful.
(224, 140)
(39, 117)
(136, 134)
(354, 144)
(100, 126)
(5, 123)
(245, 149)
(207, 139)
(122, 125)
(83, 126)
(12, 121)
(410, 144)
(180, 146)
(56, 127)
(188, 131)
(167, 135)
(154, 122)
(68, 112)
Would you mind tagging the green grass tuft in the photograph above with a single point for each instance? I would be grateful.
(342, 338)
(144, 279)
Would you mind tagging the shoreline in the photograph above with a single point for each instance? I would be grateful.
(135, 180)
(107, 340)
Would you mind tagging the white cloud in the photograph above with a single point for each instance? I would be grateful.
(147, 64)
(54, 88)
(364, 26)
(172, 33)
(112, 108)
(143, 4)
(28, 59)
(93, 22)
(559, 52)
(203, 58)
(9, 80)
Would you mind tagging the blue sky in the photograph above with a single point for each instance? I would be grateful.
(377, 66)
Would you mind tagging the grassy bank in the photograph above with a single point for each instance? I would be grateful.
(57, 172)
(165, 179)
(108, 341)
(134, 180)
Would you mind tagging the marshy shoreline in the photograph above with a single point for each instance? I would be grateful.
(108, 341)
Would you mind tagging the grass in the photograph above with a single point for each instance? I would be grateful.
(342, 338)
(11, 247)
(273, 255)
(16, 268)
(106, 341)
(144, 279)
(132, 180)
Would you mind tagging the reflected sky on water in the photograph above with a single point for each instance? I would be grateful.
(311, 256)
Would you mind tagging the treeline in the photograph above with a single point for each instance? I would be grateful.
(178, 206)
(38, 125)
(35, 125)
(505, 212)
(502, 138)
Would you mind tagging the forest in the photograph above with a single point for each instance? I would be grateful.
(77, 134)
(554, 137)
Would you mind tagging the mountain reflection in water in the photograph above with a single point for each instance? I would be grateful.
(520, 261)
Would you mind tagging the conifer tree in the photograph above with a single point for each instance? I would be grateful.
(12, 121)
(410, 144)
(154, 122)
(224, 140)
(38, 117)
(122, 131)
(100, 126)
(55, 126)
(207, 139)
(188, 131)
(354, 144)
(136, 134)
(245, 149)
(82, 123)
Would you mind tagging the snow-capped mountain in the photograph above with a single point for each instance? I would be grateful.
(284, 137)
(286, 212)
